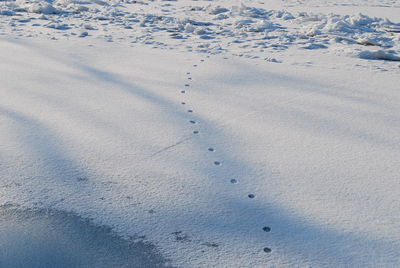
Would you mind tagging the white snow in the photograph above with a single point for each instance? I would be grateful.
(240, 29)
(379, 55)
(226, 133)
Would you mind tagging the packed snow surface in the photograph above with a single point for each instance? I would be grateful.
(221, 133)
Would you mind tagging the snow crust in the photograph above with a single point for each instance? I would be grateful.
(226, 133)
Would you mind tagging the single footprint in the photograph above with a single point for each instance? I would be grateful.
(179, 236)
(208, 244)
(266, 229)
(267, 250)
(251, 196)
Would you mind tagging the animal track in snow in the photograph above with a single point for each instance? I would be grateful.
(266, 229)
(82, 179)
(179, 236)
(212, 245)
(267, 250)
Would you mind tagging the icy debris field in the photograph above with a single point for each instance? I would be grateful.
(200, 133)
(205, 26)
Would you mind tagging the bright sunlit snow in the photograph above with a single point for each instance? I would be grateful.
(187, 133)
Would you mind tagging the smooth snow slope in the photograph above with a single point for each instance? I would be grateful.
(100, 129)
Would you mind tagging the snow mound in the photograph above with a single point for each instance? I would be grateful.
(40, 7)
(379, 55)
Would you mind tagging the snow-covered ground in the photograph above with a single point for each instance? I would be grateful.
(225, 133)
(240, 28)
(38, 238)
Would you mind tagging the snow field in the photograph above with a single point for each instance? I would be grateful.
(226, 133)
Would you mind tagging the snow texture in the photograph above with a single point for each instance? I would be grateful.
(224, 133)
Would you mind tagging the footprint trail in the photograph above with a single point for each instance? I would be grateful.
(217, 163)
